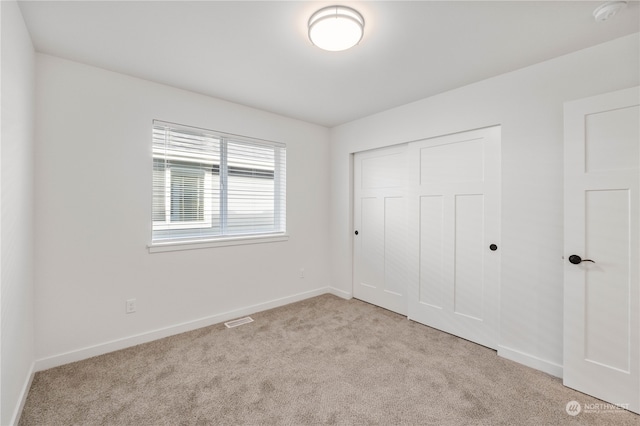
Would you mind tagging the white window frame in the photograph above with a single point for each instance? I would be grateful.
(222, 237)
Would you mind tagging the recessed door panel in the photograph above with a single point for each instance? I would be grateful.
(432, 286)
(469, 277)
(386, 171)
(395, 231)
(607, 282)
(611, 139)
(453, 162)
(372, 242)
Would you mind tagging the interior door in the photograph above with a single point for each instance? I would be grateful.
(380, 269)
(455, 218)
(601, 287)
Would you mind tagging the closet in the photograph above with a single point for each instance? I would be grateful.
(427, 229)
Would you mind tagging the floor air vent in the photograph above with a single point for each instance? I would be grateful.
(239, 321)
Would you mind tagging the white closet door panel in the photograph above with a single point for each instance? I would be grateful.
(380, 219)
(455, 203)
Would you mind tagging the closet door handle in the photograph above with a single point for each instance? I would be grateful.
(356, 232)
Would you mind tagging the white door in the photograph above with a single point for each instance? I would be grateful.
(602, 234)
(380, 271)
(455, 221)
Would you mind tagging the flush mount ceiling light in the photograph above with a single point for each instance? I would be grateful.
(608, 9)
(336, 28)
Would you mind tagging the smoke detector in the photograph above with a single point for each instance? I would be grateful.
(608, 9)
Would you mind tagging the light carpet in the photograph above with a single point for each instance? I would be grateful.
(324, 360)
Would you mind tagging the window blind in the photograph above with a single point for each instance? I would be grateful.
(208, 184)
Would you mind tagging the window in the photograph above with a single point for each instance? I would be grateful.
(209, 185)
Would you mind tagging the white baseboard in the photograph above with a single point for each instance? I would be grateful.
(340, 293)
(530, 361)
(126, 342)
(24, 392)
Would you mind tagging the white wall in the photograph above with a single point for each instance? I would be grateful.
(16, 212)
(528, 105)
(93, 216)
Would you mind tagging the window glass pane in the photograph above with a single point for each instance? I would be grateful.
(250, 204)
(251, 188)
(187, 195)
(158, 191)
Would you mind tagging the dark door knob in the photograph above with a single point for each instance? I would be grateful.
(576, 260)
(356, 232)
(493, 247)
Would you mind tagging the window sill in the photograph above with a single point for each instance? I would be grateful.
(218, 242)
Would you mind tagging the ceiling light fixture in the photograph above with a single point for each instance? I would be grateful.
(608, 9)
(336, 28)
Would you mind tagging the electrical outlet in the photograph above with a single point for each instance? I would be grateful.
(301, 272)
(130, 306)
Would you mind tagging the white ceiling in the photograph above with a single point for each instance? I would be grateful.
(258, 53)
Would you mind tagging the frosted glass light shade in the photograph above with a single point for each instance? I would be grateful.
(336, 28)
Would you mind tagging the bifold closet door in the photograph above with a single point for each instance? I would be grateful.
(380, 228)
(454, 215)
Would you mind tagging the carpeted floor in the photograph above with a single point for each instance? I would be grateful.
(320, 361)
